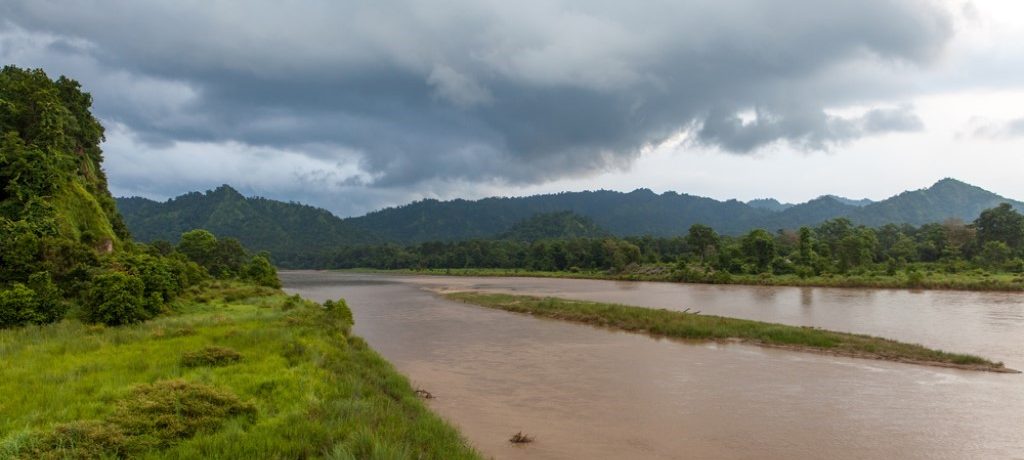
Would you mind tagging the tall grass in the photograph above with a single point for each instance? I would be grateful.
(315, 391)
(689, 326)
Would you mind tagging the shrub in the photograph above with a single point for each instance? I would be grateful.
(339, 309)
(37, 303)
(114, 299)
(17, 305)
(210, 356)
(260, 271)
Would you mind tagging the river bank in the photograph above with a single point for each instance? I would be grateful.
(926, 280)
(235, 371)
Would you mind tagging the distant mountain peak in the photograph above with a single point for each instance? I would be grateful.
(225, 190)
(770, 204)
(850, 201)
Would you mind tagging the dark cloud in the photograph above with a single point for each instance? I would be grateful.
(480, 91)
(811, 129)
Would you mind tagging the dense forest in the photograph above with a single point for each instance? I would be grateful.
(994, 241)
(65, 246)
(293, 232)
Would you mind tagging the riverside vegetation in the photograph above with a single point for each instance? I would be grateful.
(986, 254)
(117, 349)
(694, 326)
(232, 371)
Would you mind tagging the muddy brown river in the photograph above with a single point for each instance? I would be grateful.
(586, 392)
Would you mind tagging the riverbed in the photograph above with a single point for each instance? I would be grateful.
(586, 392)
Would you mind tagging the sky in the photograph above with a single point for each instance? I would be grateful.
(354, 106)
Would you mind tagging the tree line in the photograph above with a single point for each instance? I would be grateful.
(994, 241)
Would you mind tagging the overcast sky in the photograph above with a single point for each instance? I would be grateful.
(356, 105)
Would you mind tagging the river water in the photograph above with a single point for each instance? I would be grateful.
(586, 392)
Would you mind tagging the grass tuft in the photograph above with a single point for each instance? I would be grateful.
(172, 410)
(210, 356)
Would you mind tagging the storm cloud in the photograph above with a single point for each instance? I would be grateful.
(396, 93)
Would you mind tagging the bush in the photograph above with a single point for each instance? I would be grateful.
(37, 303)
(210, 356)
(17, 305)
(340, 310)
(260, 271)
(114, 299)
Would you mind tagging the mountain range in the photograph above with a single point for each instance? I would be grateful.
(288, 227)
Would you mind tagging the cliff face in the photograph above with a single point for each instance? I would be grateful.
(51, 176)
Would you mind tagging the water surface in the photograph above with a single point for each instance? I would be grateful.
(586, 392)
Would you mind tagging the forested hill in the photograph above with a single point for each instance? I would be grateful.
(258, 223)
(290, 227)
(554, 225)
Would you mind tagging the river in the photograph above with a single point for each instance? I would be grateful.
(586, 392)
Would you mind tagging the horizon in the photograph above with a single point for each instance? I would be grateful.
(747, 202)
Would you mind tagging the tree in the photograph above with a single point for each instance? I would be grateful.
(701, 239)
(856, 249)
(199, 245)
(1001, 223)
(758, 246)
(260, 271)
(994, 255)
(805, 246)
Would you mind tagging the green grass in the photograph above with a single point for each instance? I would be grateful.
(236, 372)
(690, 326)
(974, 280)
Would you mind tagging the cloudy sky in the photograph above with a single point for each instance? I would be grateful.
(355, 105)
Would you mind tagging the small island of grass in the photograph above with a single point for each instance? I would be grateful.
(691, 326)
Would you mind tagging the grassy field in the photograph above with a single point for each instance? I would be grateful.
(963, 281)
(690, 326)
(235, 372)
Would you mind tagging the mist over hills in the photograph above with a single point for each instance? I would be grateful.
(283, 227)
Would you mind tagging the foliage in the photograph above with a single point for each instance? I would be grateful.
(810, 255)
(260, 271)
(37, 303)
(222, 258)
(554, 225)
(294, 233)
(114, 299)
(1003, 224)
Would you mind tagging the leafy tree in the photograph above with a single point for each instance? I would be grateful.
(260, 271)
(1001, 223)
(995, 254)
(805, 246)
(200, 246)
(701, 238)
(114, 299)
(758, 246)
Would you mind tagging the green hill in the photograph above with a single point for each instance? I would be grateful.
(290, 231)
(258, 223)
(554, 225)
